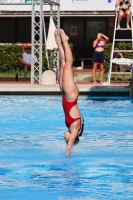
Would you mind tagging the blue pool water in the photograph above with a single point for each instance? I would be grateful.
(33, 165)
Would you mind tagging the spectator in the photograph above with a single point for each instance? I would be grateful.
(115, 66)
(76, 53)
(98, 57)
(123, 68)
(124, 9)
(25, 62)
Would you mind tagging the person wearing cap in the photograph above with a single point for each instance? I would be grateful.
(25, 61)
(73, 118)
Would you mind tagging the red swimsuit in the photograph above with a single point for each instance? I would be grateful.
(67, 106)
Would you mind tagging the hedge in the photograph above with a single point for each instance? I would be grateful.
(9, 54)
(9, 57)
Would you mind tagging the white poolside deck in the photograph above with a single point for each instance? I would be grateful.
(85, 89)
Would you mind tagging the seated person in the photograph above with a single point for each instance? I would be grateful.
(124, 9)
(25, 62)
(115, 66)
(123, 68)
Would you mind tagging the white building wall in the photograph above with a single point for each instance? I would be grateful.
(65, 5)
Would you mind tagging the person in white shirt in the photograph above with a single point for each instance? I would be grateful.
(25, 61)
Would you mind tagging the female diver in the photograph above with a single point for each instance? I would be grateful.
(70, 92)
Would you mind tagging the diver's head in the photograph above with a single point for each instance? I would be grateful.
(68, 133)
(81, 127)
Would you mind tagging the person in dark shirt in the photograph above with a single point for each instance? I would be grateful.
(115, 66)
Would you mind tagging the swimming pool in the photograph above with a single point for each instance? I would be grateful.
(33, 165)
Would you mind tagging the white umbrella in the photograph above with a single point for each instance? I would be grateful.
(51, 43)
(45, 39)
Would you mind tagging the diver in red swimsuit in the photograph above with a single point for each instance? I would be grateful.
(70, 92)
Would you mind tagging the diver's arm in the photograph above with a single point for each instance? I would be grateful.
(71, 140)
